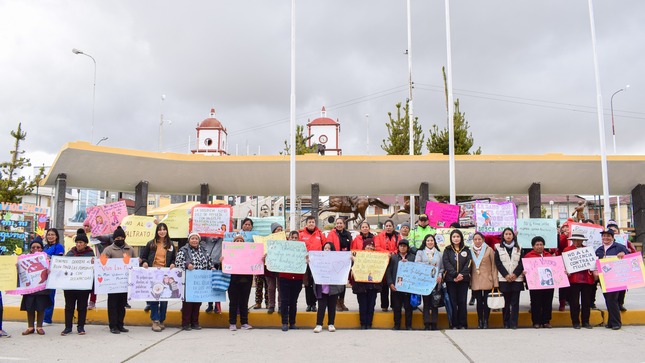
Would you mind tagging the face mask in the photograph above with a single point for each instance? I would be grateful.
(119, 243)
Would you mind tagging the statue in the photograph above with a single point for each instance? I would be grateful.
(406, 206)
(579, 211)
(355, 205)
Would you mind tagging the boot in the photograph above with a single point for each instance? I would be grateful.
(433, 326)
(485, 319)
(562, 304)
(155, 326)
(209, 309)
(339, 305)
(480, 323)
(342, 305)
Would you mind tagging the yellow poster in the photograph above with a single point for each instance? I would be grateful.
(278, 236)
(370, 266)
(443, 236)
(177, 221)
(8, 273)
(138, 229)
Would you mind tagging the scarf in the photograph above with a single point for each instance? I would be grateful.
(509, 246)
(478, 255)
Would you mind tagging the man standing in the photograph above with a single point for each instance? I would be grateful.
(314, 240)
(418, 234)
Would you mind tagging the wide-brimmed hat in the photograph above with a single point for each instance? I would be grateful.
(608, 231)
(578, 236)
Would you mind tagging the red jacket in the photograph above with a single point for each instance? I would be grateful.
(533, 254)
(563, 243)
(383, 243)
(314, 240)
(491, 241)
(357, 243)
(580, 277)
(332, 237)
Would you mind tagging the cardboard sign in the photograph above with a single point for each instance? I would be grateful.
(8, 273)
(590, 231)
(286, 256)
(416, 278)
(545, 273)
(199, 287)
(441, 215)
(105, 218)
(580, 259)
(262, 226)
(278, 236)
(369, 266)
(71, 273)
(139, 229)
(492, 218)
(177, 222)
(32, 273)
(330, 267)
(527, 228)
(242, 258)
(156, 284)
(621, 274)
(211, 220)
(442, 238)
(111, 275)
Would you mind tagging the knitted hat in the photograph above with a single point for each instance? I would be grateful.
(118, 232)
(405, 224)
(275, 226)
(194, 234)
(81, 237)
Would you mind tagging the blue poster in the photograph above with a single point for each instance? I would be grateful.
(248, 236)
(416, 278)
(199, 287)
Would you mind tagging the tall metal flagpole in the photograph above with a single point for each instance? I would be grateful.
(601, 121)
(410, 105)
(451, 109)
(292, 125)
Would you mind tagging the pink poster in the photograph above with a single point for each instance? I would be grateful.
(545, 273)
(441, 215)
(105, 218)
(621, 274)
(243, 258)
(33, 270)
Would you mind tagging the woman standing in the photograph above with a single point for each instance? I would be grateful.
(430, 254)
(580, 289)
(400, 299)
(192, 256)
(365, 235)
(387, 241)
(35, 303)
(508, 259)
(456, 262)
(290, 287)
(77, 298)
(271, 278)
(53, 248)
(327, 296)
(159, 252)
(117, 302)
(342, 240)
(483, 277)
(366, 293)
(238, 294)
(611, 248)
(541, 300)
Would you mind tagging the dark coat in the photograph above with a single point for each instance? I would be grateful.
(456, 263)
(393, 267)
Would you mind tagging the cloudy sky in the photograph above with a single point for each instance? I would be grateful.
(523, 71)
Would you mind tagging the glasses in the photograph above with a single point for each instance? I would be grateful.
(36, 248)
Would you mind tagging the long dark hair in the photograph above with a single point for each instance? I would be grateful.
(55, 232)
(331, 245)
(513, 233)
(424, 244)
(461, 235)
(167, 243)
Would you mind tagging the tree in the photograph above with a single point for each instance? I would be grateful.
(301, 143)
(398, 140)
(12, 185)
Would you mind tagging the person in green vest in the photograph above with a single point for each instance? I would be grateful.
(419, 233)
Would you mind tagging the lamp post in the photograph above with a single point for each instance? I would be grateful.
(611, 104)
(551, 202)
(161, 122)
(76, 51)
(100, 141)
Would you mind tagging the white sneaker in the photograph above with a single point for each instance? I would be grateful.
(318, 329)
(246, 327)
(47, 324)
(331, 328)
(232, 327)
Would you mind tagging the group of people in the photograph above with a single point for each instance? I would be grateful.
(481, 268)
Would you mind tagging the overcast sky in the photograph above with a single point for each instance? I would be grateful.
(523, 71)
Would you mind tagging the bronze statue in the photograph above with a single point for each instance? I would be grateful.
(406, 206)
(579, 211)
(355, 205)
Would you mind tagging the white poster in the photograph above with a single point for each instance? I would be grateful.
(71, 273)
(330, 267)
(579, 259)
(111, 275)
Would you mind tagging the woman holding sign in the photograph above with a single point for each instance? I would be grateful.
(290, 288)
(508, 260)
(366, 293)
(192, 256)
(483, 277)
(581, 289)
(430, 254)
(53, 248)
(77, 298)
(456, 262)
(238, 294)
(36, 303)
(327, 295)
(611, 248)
(542, 299)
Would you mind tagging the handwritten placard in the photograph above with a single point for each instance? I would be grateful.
(111, 275)
(369, 266)
(104, 219)
(8, 273)
(71, 273)
(330, 267)
(247, 235)
(416, 278)
(278, 236)
(579, 259)
(139, 229)
(199, 287)
(177, 222)
(590, 231)
(241, 258)
(441, 215)
(286, 256)
(527, 228)
(621, 274)
(493, 217)
(156, 284)
(32, 273)
(443, 236)
(545, 273)
(211, 220)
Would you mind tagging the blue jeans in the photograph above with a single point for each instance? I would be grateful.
(49, 312)
(158, 310)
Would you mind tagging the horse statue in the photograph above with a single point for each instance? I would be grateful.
(354, 205)
(406, 206)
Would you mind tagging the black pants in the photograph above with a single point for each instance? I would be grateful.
(385, 295)
(427, 309)
(76, 299)
(541, 306)
(327, 302)
(458, 292)
(563, 293)
(511, 311)
(116, 309)
(483, 311)
(401, 300)
(238, 295)
(621, 297)
(366, 303)
(611, 300)
(289, 292)
(310, 296)
(580, 294)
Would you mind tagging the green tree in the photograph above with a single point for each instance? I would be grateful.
(301, 143)
(398, 139)
(12, 185)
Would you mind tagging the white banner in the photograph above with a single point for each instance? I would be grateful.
(330, 267)
(111, 275)
(71, 273)
(579, 259)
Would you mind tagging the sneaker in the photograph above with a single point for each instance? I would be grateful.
(318, 329)
(232, 327)
(186, 328)
(162, 326)
(156, 327)
(81, 331)
(331, 328)
(66, 332)
(246, 327)
(47, 324)
(285, 327)
(196, 327)
(91, 305)
(4, 334)
(587, 326)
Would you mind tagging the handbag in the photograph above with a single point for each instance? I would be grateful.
(436, 297)
(415, 300)
(495, 299)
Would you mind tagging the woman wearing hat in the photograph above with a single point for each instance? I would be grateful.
(400, 299)
(192, 256)
(117, 302)
(630, 247)
(483, 277)
(541, 300)
(77, 298)
(35, 303)
(508, 260)
(611, 248)
(581, 289)
(456, 262)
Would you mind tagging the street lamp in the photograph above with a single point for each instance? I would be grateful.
(100, 141)
(611, 103)
(76, 51)
(161, 122)
(551, 202)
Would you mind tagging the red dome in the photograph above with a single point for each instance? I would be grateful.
(323, 121)
(211, 122)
